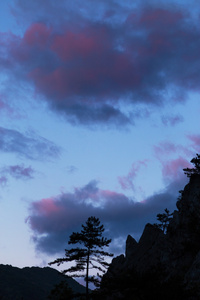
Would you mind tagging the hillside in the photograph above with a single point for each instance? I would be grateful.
(31, 283)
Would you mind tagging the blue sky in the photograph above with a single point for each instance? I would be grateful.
(99, 110)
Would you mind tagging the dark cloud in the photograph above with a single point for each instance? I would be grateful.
(27, 145)
(113, 11)
(52, 220)
(88, 68)
(56, 12)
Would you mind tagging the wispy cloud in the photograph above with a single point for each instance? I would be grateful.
(71, 169)
(172, 169)
(127, 182)
(3, 180)
(4, 107)
(195, 141)
(167, 148)
(172, 120)
(18, 171)
(15, 171)
(173, 158)
(27, 145)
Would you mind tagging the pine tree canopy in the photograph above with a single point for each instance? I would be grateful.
(91, 255)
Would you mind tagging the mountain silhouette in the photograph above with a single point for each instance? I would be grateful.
(32, 283)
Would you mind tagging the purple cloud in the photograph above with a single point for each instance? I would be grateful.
(18, 171)
(4, 107)
(52, 220)
(27, 145)
(3, 180)
(87, 69)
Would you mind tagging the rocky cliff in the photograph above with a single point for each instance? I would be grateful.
(161, 266)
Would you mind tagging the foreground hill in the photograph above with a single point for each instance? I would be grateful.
(31, 283)
(161, 266)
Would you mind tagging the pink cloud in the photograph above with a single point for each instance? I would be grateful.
(37, 35)
(195, 139)
(90, 62)
(126, 182)
(165, 149)
(82, 43)
(112, 196)
(52, 83)
(157, 24)
(46, 207)
(172, 170)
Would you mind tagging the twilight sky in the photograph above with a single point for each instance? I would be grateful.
(99, 110)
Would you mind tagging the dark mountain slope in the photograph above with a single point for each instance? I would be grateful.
(31, 283)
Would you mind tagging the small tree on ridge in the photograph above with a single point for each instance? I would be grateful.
(196, 170)
(164, 220)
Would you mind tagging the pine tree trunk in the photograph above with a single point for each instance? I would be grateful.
(87, 275)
